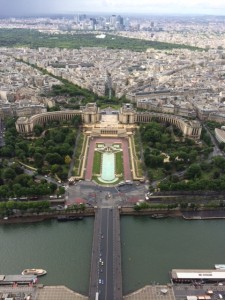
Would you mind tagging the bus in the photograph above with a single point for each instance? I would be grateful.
(96, 295)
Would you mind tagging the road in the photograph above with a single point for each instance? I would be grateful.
(106, 256)
(216, 150)
(106, 275)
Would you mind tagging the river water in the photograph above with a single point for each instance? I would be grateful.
(150, 249)
(63, 249)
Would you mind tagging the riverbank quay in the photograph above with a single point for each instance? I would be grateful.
(34, 217)
(58, 293)
(187, 196)
(39, 292)
(149, 292)
(204, 215)
(152, 292)
(188, 214)
(129, 211)
(178, 292)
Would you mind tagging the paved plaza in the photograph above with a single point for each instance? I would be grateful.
(152, 292)
(19, 292)
(94, 194)
(58, 293)
(181, 291)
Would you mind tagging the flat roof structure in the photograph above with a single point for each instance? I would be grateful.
(9, 279)
(192, 274)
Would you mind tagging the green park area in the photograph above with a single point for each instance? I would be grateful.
(36, 39)
(48, 152)
(178, 163)
(97, 163)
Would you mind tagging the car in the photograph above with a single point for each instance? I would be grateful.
(102, 281)
(102, 263)
(99, 281)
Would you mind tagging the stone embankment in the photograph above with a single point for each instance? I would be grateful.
(32, 218)
(188, 214)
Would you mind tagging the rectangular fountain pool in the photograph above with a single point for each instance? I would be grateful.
(108, 167)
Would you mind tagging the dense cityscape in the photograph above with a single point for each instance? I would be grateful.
(108, 119)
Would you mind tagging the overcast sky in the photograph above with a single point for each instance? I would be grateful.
(26, 7)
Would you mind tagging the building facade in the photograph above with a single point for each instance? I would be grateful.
(127, 115)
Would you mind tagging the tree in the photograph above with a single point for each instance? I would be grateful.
(4, 192)
(58, 137)
(219, 162)
(154, 161)
(20, 153)
(50, 143)
(64, 149)
(61, 190)
(55, 168)
(70, 138)
(23, 146)
(38, 129)
(76, 121)
(7, 151)
(9, 173)
(38, 159)
(23, 180)
(222, 146)
(67, 159)
(152, 135)
(194, 171)
(53, 158)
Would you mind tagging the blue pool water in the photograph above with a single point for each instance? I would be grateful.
(108, 167)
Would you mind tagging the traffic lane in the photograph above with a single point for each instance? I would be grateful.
(110, 259)
(131, 189)
(107, 255)
(103, 249)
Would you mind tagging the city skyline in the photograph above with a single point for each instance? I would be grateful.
(27, 7)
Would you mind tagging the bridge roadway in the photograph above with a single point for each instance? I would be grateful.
(106, 276)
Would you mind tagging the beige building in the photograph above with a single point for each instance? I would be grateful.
(220, 135)
(127, 115)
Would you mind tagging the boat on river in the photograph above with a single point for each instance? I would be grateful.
(69, 218)
(158, 216)
(37, 272)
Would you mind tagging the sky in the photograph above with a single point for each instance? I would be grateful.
(34, 7)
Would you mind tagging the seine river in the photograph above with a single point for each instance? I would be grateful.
(63, 249)
(150, 249)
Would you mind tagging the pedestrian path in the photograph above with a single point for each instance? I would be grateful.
(152, 292)
(58, 293)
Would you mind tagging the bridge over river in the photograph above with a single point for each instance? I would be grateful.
(106, 276)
